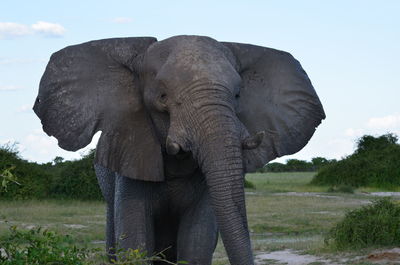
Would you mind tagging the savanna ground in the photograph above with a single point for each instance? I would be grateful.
(288, 219)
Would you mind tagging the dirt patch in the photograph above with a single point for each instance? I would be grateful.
(307, 194)
(75, 226)
(97, 242)
(289, 257)
(385, 194)
(325, 212)
(97, 222)
(284, 240)
(385, 256)
(29, 227)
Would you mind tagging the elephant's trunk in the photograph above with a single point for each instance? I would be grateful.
(213, 133)
(224, 175)
(219, 155)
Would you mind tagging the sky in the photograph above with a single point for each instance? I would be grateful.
(349, 49)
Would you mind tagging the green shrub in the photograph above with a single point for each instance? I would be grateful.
(248, 184)
(33, 179)
(368, 142)
(375, 163)
(76, 179)
(38, 246)
(41, 246)
(140, 257)
(373, 225)
(70, 179)
(6, 178)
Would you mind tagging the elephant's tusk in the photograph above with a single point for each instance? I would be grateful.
(172, 147)
(253, 141)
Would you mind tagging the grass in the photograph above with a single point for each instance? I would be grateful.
(285, 182)
(60, 216)
(284, 211)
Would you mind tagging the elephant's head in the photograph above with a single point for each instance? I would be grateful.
(233, 107)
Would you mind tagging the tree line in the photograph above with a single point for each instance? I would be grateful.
(375, 162)
(76, 179)
(58, 179)
(296, 165)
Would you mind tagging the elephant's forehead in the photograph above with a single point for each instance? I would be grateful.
(184, 49)
(182, 60)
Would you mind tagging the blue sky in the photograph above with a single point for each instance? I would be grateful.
(350, 50)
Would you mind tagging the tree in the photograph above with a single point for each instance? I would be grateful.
(298, 165)
(274, 167)
(369, 142)
(58, 160)
(319, 162)
(375, 163)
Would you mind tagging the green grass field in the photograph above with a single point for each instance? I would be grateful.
(284, 212)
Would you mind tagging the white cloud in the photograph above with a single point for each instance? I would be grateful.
(48, 29)
(340, 147)
(122, 20)
(354, 132)
(12, 30)
(25, 108)
(374, 126)
(40, 143)
(42, 148)
(386, 122)
(9, 88)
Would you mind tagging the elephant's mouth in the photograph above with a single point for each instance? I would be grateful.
(183, 155)
(180, 165)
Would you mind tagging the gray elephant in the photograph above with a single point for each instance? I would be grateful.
(182, 121)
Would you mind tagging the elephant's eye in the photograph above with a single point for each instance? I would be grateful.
(163, 98)
(237, 95)
(162, 102)
(38, 100)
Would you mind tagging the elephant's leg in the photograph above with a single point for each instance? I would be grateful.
(166, 229)
(134, 213)
(106, 180)
(198, 233)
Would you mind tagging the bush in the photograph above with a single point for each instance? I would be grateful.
(41, 246)
(375, 163)
(140, 257)
(248, 184)
(38, 246)
(32, 178)
(76, 179)
(367, 142)
(375, 225)
(21, 179)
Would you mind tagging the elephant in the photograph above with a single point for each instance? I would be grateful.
(182, 120)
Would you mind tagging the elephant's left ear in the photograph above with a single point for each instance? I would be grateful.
(277, 97)
(94, 87)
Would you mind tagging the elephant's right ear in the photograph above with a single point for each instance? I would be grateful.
(94, 87)
(278, 98)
